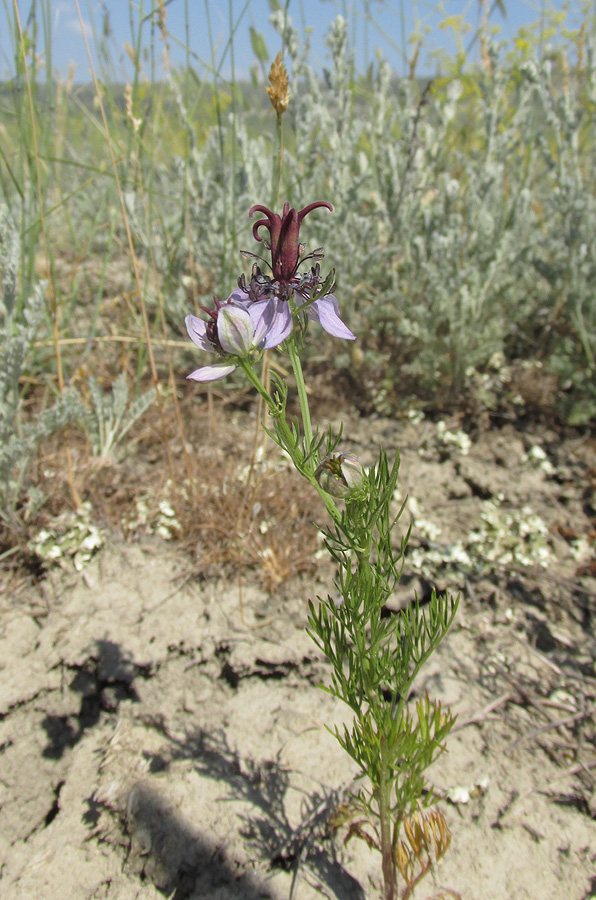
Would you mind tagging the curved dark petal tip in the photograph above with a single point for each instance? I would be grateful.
(258, 208)
(257, 225)
(318, 203)
(267, 221)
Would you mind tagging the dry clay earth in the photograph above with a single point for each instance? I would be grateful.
(153, 744)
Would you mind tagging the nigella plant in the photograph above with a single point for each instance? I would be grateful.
(374, 656)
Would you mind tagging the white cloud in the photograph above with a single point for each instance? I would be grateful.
(66, 19)
(74, 26)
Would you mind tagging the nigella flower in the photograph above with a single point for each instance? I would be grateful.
(232, 332)
(287, 254)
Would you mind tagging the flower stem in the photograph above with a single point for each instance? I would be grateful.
(256, 382)
(302, 395)
(286, 439)
(388, 865)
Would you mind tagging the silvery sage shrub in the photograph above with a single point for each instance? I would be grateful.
(374, 657)
(563, 257)
(466, 205)
(20, 440)
(109, 417)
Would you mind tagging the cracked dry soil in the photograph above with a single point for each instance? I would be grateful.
(154, 745)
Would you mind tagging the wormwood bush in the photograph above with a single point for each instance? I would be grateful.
(109, 417)
(563, 254)
(224, 176)
(20, 440)
(463, 281)
(440, 210)
(465, 207)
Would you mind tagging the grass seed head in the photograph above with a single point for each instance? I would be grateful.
(279, 93)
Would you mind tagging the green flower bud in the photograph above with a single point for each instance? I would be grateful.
(341, 475)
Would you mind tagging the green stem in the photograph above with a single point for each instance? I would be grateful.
(256, 382)
(302, 395)
(287, 440)
(389, 877)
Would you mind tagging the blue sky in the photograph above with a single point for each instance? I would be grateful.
(388, 27)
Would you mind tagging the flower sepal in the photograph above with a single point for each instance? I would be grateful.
(327, 287)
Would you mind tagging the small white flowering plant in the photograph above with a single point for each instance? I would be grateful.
(375, 654)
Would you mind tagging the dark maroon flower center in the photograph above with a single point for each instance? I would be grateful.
(211, 331)
(284, 237)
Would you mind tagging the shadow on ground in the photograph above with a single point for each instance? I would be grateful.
(306, 851)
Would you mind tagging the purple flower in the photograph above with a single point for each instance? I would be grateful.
(278, 312)
(232, 331)
(285, 282)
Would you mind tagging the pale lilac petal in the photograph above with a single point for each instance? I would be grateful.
(235, 330)
(212, 373)
(326, 311)
(282, 325)
(239, 297)
(262, 313)
(197, 331)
